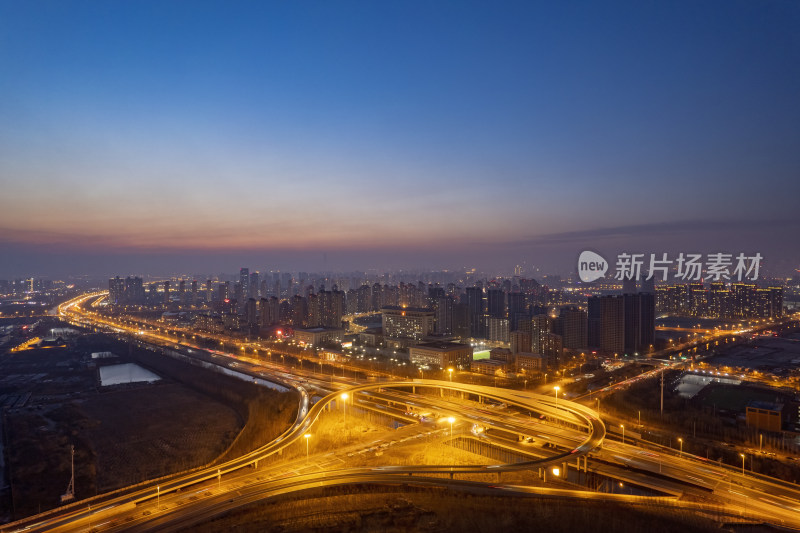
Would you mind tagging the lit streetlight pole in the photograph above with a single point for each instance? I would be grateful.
(623, 433)
(344, 397)
(680, 453)
(742, 456)
(219, 479)
(308, 438)
(556, 388)
(451, 420)
(158, 492)
(450, 371)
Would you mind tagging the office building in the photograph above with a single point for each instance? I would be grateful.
(441, 355)
(406, 322)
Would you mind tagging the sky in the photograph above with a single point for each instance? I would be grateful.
(168, 136)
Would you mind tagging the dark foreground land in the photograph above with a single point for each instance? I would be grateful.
(391, 510)
(122, 434)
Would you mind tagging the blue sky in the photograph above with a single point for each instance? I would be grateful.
(171, 135)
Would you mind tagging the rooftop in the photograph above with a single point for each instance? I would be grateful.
(442, 345)
(769, 406)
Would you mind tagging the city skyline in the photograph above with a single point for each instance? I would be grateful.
(346, 136)
(453, 265)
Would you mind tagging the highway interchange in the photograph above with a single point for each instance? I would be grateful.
(573, 435)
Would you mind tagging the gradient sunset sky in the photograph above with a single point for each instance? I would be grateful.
(167, 136)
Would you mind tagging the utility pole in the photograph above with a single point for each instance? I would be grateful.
(70, 494)
(662, 393)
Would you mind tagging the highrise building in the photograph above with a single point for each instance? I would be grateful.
(520, 341)
(541, 327)
(606, 323)
(629, 286)
(516, 308)
(497, 329)
(134, 290)
(116, 291)
(622, 324)
(286, 284)
(444, 315)
(476, 309)
(254, 285)
(244, 284)
(460, 320)
(364, 296)
(647, 308)
(269, 311)
(496, 303)
(223, 290)
(238, 293)
(300, 310)
(377, 297)
(331, 308)
(250, 313)
(572, 324)
(551, 348)
(314, 315)
(633, 323)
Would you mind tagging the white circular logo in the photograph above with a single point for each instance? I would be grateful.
(591, 266)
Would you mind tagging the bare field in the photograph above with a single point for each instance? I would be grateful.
(120, 438)
(390, 510)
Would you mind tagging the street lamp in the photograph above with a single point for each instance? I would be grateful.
(451, 420)
(307, 437)
(450, 371)
(623, 433)
(219, 478)
(680, 441)
(556, 388)
(158, 493)
(344, 397)
(742, 456)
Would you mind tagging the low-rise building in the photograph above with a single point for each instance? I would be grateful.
(491, 367)
(764, 416)
(371, 336)
(317, 336)
(530, 363)
(441, 355)
(501, 354)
